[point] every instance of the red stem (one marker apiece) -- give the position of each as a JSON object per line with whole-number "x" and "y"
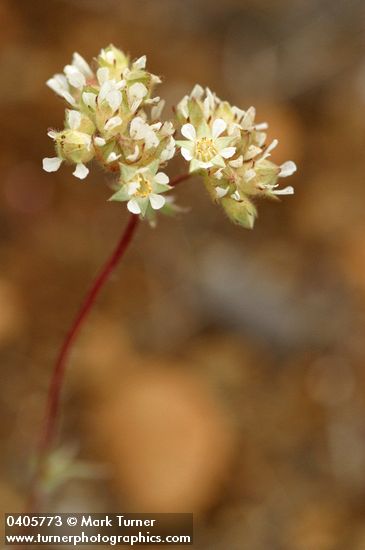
{"x": 179, "y": 179}
{"x": 55, "y": 387}
{"x": 56, "y": 384}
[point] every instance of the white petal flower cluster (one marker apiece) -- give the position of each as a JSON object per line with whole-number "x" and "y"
{"x": 113, "y": 117}
{"x": 226, "y": 146}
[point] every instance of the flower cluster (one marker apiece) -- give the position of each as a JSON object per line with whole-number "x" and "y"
{"x": 113, "y": 117}
{"x": 226, "y": 146}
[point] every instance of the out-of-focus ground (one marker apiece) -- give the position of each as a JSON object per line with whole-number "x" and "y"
{"x": 222, "y": 371}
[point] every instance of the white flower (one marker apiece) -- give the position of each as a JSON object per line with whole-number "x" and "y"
{"x": 142, "y": 188}
{"x": 205, "y": 148}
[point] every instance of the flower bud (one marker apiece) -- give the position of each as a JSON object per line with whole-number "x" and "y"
{"x": 74, "y": 146}
{"x": 241, "y": 212}
{"x": 114, "y": 59}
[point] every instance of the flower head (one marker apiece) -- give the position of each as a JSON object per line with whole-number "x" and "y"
{"x": 229, "y": 148}
{"x": 112, "y": 117}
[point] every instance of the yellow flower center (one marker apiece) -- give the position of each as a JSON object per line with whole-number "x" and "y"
{"x": 145, "y": 187}
{"x": 205, "y": 149}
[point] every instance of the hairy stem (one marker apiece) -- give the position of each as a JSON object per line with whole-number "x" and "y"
{"x": 56, "y": 383}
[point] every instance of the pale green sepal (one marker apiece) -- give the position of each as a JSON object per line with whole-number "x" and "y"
{"x": 194, "y": 166}
{"x": 242, "y": 213}
{"x": 127, "y": 172}
{"x": 121, "y": 195}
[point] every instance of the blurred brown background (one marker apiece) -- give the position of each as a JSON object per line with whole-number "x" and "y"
{"x": 222, "y": 371}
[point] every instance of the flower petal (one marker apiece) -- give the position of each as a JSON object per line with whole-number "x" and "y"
{"x": 133, "y": 156}
{"x": 237, "y": 163}
{"x": 287, "y": 169}
{"x": 51, "y": 164}
{"x": 74, "y": 119}
{"x": 156, "y": 111}
{"x": 157, "y": 201}
{"x": 79, "y": 62}
{"x": 133, "y": 186}
{"x": 228, "y": 152}
{"x": 252, "y": 152}
{"x": 186, "y": 154}
{"x": 103, "y": 75}
{"x": 272, "y": 146}
{"x": 105, "y": 89}
{"x": 219, "y": 125}
{"x": 114, "y": 98}
{"x": 151, "y": 139}
{"x": 221, "y": 192}
{"x": 137, "y": 91}
{"x": 133, "y": 206}
{"x": 140, "y": 63}
{"x": 197, "y": 92}
{"x": 112, "y": 123}
{"x": 286, "y": 191}
{"x": 89, "y": 99}
{"x": 162, "y": 178}
{"x": 99, "y": 141}
{"x": 74, "y": 76}
{"x": 113, "y": 157}
{"x": 189, "y": 132}
{"x": 81, "y": 171}
{"x": 58, "y": 84}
